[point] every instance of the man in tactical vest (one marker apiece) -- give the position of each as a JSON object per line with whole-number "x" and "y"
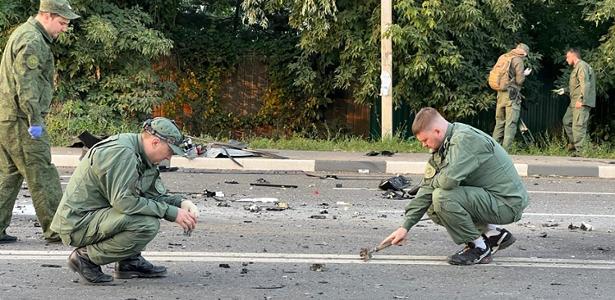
{"x": 508, "y": 107}
{"x": 26, "y": 88}
{"x": 113, "y": 202}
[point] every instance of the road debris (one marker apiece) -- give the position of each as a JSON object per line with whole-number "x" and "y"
{"x": 284, "y": 186}
{"x": 584, "y": 226}
{"x": 261, "y": 200}
{"x": 231, "y": 182}
{"x": 279, "y": 206}
{"x": 225, "y": 266}
{"x": 318, "y": 217}
{"x": 252, "y": 208}
{"x": 318, "y": 268}
{"x": 366, "y": 254}
{"x": 273, "y": 287}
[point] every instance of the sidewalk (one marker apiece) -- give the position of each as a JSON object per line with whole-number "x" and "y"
{"x": 400, "y": 163}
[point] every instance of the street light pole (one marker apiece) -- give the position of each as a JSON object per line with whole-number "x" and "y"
{"x": 386, "y": 75}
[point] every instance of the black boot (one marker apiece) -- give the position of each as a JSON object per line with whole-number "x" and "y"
{"x": 137, "y": 266}
{"x": 6, "y": 239}
{"x": 80, "y": 262}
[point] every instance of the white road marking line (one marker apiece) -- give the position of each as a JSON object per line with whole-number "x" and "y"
{"x": 530, "y": 262}
{"x": 571, "y": 193}
{"x": 569, "y": 215}
{"x": 526, "y": 214}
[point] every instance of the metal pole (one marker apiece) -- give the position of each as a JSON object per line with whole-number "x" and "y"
{"x": 386, "y": 75}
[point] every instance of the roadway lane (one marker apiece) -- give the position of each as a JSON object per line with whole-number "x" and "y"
{"x": 270, "y": 252}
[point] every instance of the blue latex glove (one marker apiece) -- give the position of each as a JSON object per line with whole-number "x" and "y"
{"x": 36, "y": 131}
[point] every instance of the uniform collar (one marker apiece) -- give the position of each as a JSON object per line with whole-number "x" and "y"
{"x": 447, "y": 138}
{"x": 41, "y": 29}
{"x": 142, "y": 152}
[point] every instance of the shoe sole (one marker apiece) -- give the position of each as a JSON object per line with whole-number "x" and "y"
{"x": 503, "y": 244}
{"x": 133, "y": 274}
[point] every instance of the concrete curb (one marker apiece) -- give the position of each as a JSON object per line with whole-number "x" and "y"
{"x": 354, "y": 166}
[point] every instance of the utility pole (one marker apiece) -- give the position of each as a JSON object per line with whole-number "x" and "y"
{"x": 386, "y": 74}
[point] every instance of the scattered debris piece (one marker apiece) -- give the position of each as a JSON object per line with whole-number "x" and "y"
{"x": 279, "y": 206}
{"x": 586, "y": 227}
{"x": 252, "y": 208}
{"x": 50, "y": 266}
{"x": 318, "y": 268}
{"x": 550, "y": 224}
{"x": 226, "y": 266}
{"x": 382, "y": 153}
{"x": 363, "y": 171}
{"x": 318, "y": 217}
{"x": 273, "y": 287}
{"x": 543, "y": 235}
{"x": 366, "y": 254}
{"x": 323, "y": 212}
{"x": 274, "y": 185}
{"x": 231, "y": 182}
{"x": 396, "y": 183}
{"x": 223, "y": 204}
{"x": 262, "y": 200}
{"x": 175, "y": 244}
{"x": 244, "y": 271}
{"x": 212, "y": 194}
{"x": 338, "y": 185}
{"x": 262, "y": 180}
{"x": 604, "y": 249}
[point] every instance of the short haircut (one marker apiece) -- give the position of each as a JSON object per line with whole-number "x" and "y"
{"x": 576, "y": 51}
{"x": 424, "y": 119}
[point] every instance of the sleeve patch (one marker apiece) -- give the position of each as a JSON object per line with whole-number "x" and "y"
{"x": 32, "y": 62}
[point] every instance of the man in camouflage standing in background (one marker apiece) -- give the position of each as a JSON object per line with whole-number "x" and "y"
{"x": 26, "y": 87}
{"x": 582, "y": 90}
{"x": 508, "y": 107}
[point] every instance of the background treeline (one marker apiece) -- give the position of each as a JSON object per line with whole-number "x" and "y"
{"x": 126, "y": 59}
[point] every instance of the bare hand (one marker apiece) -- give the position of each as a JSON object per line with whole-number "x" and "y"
{"x": 578, "y": 104}
{"x": 397, "y": 237}
{"x": 186, "y": 219}
{"x": 191, "y": 207}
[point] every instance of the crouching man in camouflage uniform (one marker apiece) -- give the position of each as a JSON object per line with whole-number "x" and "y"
{"x": 470, "y": 184}
{"x": 113, "y": 202}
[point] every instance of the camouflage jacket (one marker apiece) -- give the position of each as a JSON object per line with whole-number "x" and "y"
{"x": 468, "y": 157}
{"x": 114, "y": 173}
{"x": 582, "y": 85}
{"x": 26, "y": 74}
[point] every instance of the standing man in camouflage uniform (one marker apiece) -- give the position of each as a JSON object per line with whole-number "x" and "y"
{"x": 470, "y": 184}
{"x": 113, "y": 202}
{"x": 508, "y": 107}
{"x": 26, "y": 87}
{"x": 582, "y": 90}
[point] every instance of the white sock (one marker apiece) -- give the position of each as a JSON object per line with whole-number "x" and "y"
{"x": 492, "y": 230}
{"x": 480, "y": 243}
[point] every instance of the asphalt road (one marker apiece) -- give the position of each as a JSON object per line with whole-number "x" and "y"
{"x": 236, "y": 253}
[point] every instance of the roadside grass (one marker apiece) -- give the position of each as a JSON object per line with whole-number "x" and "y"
{"x": 546, "y": 146}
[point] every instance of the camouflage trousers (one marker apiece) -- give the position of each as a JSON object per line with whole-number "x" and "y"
{"x": 23, "y": 157}
{"x": 507, "y": 113}
{"x": 575, "y": 124}
{"x": 111, "y": 236}
{"x": 465, "y": 210}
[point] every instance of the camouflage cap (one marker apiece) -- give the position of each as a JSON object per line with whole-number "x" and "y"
{"x": 524, "y": 47}
{"x": 167, "y": 131}
{"x": 60, "y": 7}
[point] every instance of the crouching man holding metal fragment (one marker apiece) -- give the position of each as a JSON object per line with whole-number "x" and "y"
{"x": 470, "y": 184}
{"x": 112, "y": 205}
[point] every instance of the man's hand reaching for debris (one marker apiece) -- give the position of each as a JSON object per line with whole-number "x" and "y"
{"x": 397, "y": 237}
{"x": 186, "y": 219}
